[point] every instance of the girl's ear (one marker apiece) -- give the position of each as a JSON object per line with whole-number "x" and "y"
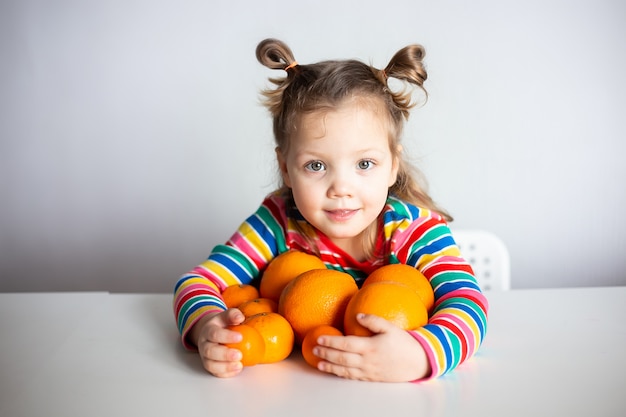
{"x": 395, "y": 165}
{"x": 282, "y": 165}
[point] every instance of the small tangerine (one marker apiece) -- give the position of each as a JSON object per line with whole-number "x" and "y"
{"x": 276, "y": 332}
{"x": 251, "y": 346}
{"x": 237, "y": 294}
{"x": 310, "y": 341}
{"x": 258, "y": 305}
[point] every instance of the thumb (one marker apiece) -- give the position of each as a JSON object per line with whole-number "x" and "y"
{"x": 234, "y": 316}
{"x": 374, "y": 323}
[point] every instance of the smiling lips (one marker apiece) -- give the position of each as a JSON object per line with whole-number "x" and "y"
{"x": 340, "y": 215}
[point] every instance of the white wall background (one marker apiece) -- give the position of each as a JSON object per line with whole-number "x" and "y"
{"x": 132, "y": 139}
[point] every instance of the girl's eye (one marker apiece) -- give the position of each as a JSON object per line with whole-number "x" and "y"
{"x": 365, "y": 164}
{"x": 315, "y": 166}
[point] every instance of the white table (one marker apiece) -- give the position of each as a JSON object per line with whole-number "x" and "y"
{"x": 547, "y": 353}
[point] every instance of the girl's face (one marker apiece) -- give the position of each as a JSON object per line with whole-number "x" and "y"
{"x": 340, "y": 167}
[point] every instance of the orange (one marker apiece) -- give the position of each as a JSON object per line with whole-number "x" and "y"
{"x": 316, "y": 297}
{"x": 258, "y": 305}
{"x": 252, "y": 345}
{"x": 283, "y": 269}
{"x": 398, "y": 303}
{"x": 237, "y": 294}
{"x": 277, "y": 334}
{"x": 310, "y": 341}
{"x": 407, "y": 275}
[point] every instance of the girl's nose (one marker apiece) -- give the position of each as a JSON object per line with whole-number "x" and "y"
{"x": 340, "y": 186}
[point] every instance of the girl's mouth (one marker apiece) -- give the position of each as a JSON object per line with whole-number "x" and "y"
{"x": 340, "y": 215}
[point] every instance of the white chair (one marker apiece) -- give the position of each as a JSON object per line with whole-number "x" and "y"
{"x": 488, "y": 256}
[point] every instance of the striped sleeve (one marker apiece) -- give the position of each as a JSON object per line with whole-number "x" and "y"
{"x": 458, "y": 323}
{"x": 257, "y": 241}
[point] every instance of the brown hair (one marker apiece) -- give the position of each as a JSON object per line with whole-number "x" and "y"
{"x": 326, "y": 84}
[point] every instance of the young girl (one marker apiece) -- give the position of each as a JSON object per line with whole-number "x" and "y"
{"x": 349, "y": 196}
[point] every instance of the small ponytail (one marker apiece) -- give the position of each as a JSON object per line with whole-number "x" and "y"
{"x": 407, "y": 65}
{"x": 275, "y": 54}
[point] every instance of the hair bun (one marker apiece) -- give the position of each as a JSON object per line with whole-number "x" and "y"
{"x": 274, "y": 54}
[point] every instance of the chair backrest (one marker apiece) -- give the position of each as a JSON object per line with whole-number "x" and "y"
{"x": 488, "y": 256}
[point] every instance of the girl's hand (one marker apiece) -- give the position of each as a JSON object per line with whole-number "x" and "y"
{"x": 209, "y": 335}
{"x": 390, "y": 355}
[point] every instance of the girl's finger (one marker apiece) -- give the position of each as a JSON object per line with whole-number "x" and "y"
{"x": 220, "y": 353}
{"x": 374, "y": 323}
{"x": 234, "y": 316}
{"x": 341, "y": 370}
{"x": 355, "y": 344}
{"x": 338, "y": 357}
{"x": 223, "y": 369}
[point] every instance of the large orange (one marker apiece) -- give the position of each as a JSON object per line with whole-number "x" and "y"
{"x": 252, "y": 345}
{"x": 258, "y": 305}
{"x": 408, "y": 275}
{"x": 316, "y": 297}
{"x": 277, "y": 334}
{"x": 283, "y": 269}
{"x": 310, "y": 341}
{"x": 398, "y": 303}
{"x": 237, "y": 294}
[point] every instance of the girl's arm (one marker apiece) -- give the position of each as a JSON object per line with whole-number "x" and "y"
{"x": 455, "y": 329}
{"x": 458, "y": 323}
{"x": 257, "y": 241}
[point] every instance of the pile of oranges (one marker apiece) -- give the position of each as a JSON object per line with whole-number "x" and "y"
{"x": 299, "y": 300}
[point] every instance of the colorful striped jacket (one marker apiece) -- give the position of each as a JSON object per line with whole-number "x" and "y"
{"x": 409, "y": 235}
